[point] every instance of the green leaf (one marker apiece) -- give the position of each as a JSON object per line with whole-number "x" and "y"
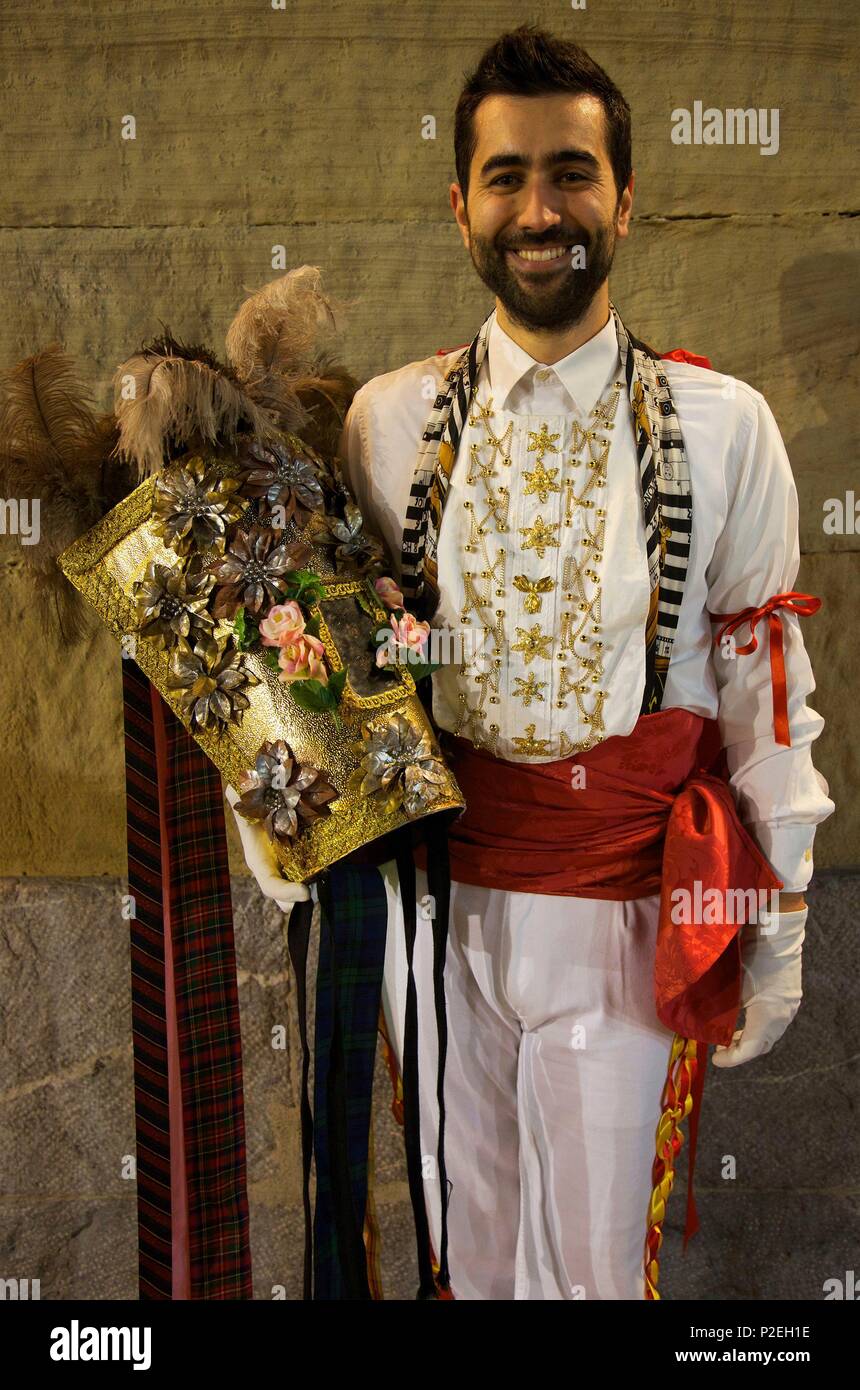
{"x": 305, "y": 586}
{"x": 270, "y": 656}
{"x": 336, "y": 682}
{"x": 419, "y": 669}
{"x": 365, "y": 603}
{"x": 312, "y": 625}
{"x": 312, "y": 695}
{"x": 246, "y": 630}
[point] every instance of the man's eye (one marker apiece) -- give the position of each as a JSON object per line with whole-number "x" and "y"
{"x": 568, "y": 174}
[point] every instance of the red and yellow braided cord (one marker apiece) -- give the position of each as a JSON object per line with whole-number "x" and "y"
{"x": 676, "y": 1102}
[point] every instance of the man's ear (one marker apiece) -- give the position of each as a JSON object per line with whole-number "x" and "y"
{"x": 458, "y": 204}
{"x": 625, "y": 208}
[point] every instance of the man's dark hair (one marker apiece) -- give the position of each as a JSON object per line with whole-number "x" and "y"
{"x": 529, "y": 61}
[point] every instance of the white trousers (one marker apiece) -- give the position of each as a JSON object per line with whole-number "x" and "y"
{"x": 555, "y": 1066}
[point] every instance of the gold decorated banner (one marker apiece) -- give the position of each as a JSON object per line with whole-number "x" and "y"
{"x": 372, "y": 797}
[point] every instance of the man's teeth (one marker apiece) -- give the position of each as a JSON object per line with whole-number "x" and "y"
{"x": 552, "y": 254}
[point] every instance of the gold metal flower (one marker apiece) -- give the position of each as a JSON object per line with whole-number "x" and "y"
{"x": 351, "y": 543}
{"x": 193, "y": 507}
{"x": 280, "y": 477}
{"x": 172, "y": 602}
{"x": 212, "y": 680}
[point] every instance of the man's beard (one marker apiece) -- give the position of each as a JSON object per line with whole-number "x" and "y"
{"x": 564, "y": 299}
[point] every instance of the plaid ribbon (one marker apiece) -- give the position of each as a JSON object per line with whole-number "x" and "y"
{"x": 353, "y": 922}
{"x": 191, "y": 1164}
{"x": 664, "y": 478}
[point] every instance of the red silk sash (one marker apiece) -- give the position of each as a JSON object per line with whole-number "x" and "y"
{"x": 650, "y": 818}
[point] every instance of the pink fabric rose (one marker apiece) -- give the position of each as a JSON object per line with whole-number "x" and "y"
{"x": 409, "y": 639}
{"x": 282, "y": 624}
{"x": 389, "y": 592}
{"x": 301, "y": 659}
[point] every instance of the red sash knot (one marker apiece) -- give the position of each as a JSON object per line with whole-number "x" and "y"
{"x": 804, "y": 605}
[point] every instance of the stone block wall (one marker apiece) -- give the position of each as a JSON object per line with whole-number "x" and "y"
{"x": 297, "y": 131}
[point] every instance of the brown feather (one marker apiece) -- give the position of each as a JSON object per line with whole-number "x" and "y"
{"x": 55, "y": 448}
{"x": 279, "y": 344}
{"x": 165, "y": 399}
{"x": 327, "y": 398}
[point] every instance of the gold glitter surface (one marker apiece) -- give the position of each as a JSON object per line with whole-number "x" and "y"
{"x": 106, "y": 562}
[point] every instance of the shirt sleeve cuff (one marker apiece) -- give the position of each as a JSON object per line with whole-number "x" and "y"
{"x": 788, "y": 849}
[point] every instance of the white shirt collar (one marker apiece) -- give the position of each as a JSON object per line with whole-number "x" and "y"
{"x": 584, "y": 373}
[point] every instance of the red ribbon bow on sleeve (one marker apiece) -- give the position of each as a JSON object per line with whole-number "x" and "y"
{"x": 804, "y": 605}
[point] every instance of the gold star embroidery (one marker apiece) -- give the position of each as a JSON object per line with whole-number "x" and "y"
{"x": 531, "y": 746}
{"x": 532, "y": 642}
{"x": 529, "y": 689}
{"x": 542, "y": 481}
{"x": 539, "y": 536}
{"x": 543, "y": 441}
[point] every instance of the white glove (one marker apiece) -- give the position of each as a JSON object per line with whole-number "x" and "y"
{"x": 771, "y": 988}
{"x": 262, "y": 861}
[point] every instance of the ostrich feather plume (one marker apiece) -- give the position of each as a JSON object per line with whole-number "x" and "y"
{"x": 54, "y": 447}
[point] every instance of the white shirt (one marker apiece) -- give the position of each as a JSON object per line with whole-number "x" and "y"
{"x": 744, "y": 549}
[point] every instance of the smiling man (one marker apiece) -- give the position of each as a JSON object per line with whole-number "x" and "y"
{"x": 588, "y": 517}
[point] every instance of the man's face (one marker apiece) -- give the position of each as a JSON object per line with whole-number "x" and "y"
{"x": 541, "y": 180}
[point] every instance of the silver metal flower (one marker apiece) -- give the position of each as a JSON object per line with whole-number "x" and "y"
{"x": 212, "y": 680}
{"x": 193, "y": 507}
{"x": 281, "y": 793}
{"x": 399, "y": 764}
{"x": 172, "y": 602}
{"x": 350, "y": 540}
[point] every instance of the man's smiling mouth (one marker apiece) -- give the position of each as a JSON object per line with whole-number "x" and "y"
{"x": 537, "y": 261}
{"x": 542, "y": 253}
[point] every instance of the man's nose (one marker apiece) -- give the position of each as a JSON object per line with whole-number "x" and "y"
{"x": 540, "y": 207}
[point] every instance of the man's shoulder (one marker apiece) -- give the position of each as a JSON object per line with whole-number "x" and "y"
{"x": 722, "y": 405}
{"x": 406, "y": 392}
{"x": 693, "y": 379}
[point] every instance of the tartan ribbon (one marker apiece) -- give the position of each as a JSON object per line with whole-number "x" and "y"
{"x": 803, "y": 605}
{"x": 191, "y": 1159}
{"x": 353, "y": 922}
{"x": 148, "y": 1006}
